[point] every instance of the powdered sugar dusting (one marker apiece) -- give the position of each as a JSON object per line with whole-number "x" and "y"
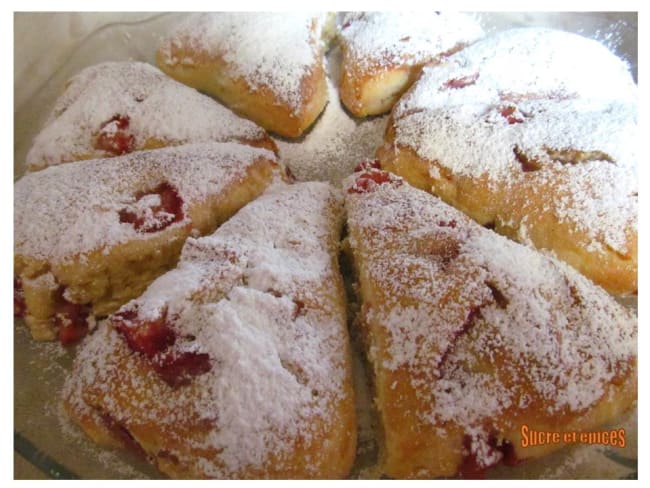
{"x": 395, "y": 38}
{"x": 158, "y": 108}
{"x": 331, "y": 149}
{"x": 67, "y": 210}
{"x": 272, "y": 49}
{"x": 527, "y": 95}
{"x": 276, "y": 370}
{"x": 457, "y": 298}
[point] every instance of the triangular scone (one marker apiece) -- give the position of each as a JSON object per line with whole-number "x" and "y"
{"x": 267, "y": 66}
{"x": 474, "y": 338}
{"x": 236, "y": 364}
{"x": 532, "y": 132}
{"x": 383, "y": 53}
{"x": 90, "y": 236}
{"x": 116, "y": 108}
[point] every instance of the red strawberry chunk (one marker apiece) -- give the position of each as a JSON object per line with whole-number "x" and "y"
{"x": 72, "y": 321}
{"x": 114, "y": 136}
{"x": 371, "y": 179}
{"x": 149, "y": 214}
{"x": 146, "y": 337}
{"x": 509, "y": 114}
{"x": 178, "y": 368}
{"x": 457, "y": 83}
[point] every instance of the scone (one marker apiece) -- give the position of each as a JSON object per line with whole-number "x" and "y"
{"x": 383, "y": 53}
{"x": 266, "y": 66}
{"x": 532, "y": 132}
{"x": 236, "y": 364}
{"x": 114, "y": 108}
{"x": 90, "y": 236}
{"x": 473, "y": 338}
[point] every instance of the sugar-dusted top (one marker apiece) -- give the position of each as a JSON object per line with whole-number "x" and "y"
{"x": 257, "y": 296}
{"x": 66, "y": 211}
{"x": 393, "y": 38}
{"x": 523, "y": 63}
{"x": 157, "y": 108}
{"x": 272, "y": 49}
{"x": 456, "y": 300}
{"x": 557, "y": 100}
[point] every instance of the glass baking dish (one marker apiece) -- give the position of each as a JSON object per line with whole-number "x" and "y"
{"x": 47, "y": 439}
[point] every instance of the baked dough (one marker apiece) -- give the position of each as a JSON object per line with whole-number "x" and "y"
{"x": 383, "y": 53}
{"x": 90, "y": 236}
{"x": 471, "y": 336}
{"x": 236, "y": 364}
{"x": 114, "y": 108}
{"x": 534, "y": 133}
{"x": 266, "y": 66}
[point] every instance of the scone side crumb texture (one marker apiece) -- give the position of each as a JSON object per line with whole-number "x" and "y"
{"x": 456, "y": 300}
{"x": 66, "y": 211}
{"x": 160, "y": 111}
{"x": 534, "y": 95}
{"x": 261, "y": 296}
{"x": 375, "y": 40}
{"x": 272, "y": 49}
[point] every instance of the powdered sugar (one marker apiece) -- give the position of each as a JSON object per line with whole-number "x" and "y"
{"x": 529, "y": 95}
{"x": 159, "y": 110}
{"x": 68, "y": 210}
{"x": 268, "y": 49}
{"x": 393, "y": 38}
{"x": 334, "y": 146}
{"x": 276, "y": 371}
{"x": 457, "y": 298}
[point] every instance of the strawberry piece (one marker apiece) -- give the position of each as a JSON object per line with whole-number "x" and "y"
{"x": 367, "y": 164}
{"x": 20, "y": 307}
{"x": 371, "y": 179}
{"x": 157, "y": 216}
{"x": 146, "y": 337}
{"x": 178, "y": 368}
{"x": 114, "y": 136}
{"x": 457, "y": 83}
{"x": 509, "y": 114}
{"x": 72, "y": 321}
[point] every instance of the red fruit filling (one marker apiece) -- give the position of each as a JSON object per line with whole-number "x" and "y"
{"x": 71, "y": 319}
{"x": 367, "y": 164}
{"x": 456, "y": 83}
{"x": 509, "y": 114}
{"x": 178, "y": 368}
{"x": 154, "y": 210}
{"x": 371, "y": 179}
{"x": 146, "y": 337}
{"x": 153, "y": 339}
{"x": 471, "y": 468}
{"x": 114, "y": 136}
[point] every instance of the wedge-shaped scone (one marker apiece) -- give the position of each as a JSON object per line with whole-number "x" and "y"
{"x": 383, "y": 53}
{"x": 90, "y": 236}
{"x": 266, "y": 66}
{"x": 236, "y": 364}
{"x": 473, "y": 337}
{"x": 532, "y": 132}
{"x": 115, "y": 108}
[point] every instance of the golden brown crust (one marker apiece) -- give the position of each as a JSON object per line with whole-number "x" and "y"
{"x": 189, "y": 59}
{"x": 518, "y": 207}
{"x": 262, "y": 106}
{"x": 277, "y": 399}
{"x": 105, "y": 278}
{"x": 116, "y": 108}
{"x": 462, "y": 329}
